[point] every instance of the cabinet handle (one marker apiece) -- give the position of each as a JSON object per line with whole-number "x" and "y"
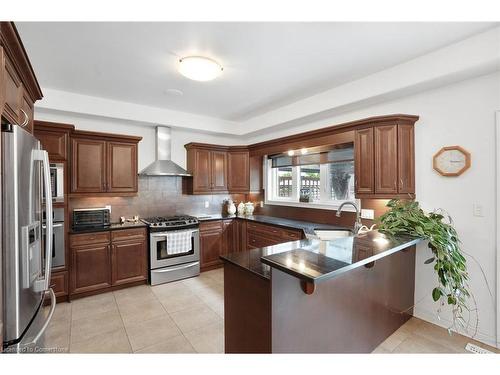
{"x": 401, "y": 183}
{"x": 26, "y": 119}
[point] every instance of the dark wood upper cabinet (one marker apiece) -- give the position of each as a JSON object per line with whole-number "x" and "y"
{"x": 19, "y": 88}
{"x": 219, "y": 170}
{"x": 54, "y": 138}
{"x": 238, "y": 165}
{"x": 103, "y": 163}
{"x": 122, "y": 167}
{"x": 88, "y": 168}
{"x": 386, "y": 159}
{"x": 202, "y": 178}
{"x": 364, "y": 173}
{"x": 406, "y": 159}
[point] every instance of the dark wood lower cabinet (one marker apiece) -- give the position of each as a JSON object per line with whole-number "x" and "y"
{"x": 90, "y": 268}
{"x": 210, "y": 244}
{"x": 60, "y": 284}
{"x": 129, "y": 262}
{"x": 101, "y": 260}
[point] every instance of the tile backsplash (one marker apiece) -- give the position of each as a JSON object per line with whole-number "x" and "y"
{"x": 157, "y": 196}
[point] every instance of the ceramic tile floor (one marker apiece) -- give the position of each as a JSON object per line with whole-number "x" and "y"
{"x": 187, "y": 317}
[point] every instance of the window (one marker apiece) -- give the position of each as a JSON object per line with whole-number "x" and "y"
{"x": 315, "y": 180}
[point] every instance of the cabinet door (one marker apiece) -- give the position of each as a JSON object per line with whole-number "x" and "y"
{"x": 238, "y": 171}
{"x": 12, "y": 92}
{"x": 219, "y": 170}
{"x": 363, "y": 161}
{"x": 54, "y": 143}
{"x": 211, "y": 248}
{"x": 386, "y": 159}
{"x": 88, "y": 169}
{"x": 128, "y": 262}
{"x": 201, "y": 171}
{"x": 59, "y": 283}
{"x": 121, "y": 167}
{"x": 230, "y": 238}
{"x": 90, "y": 268}
{"x": 406, "y": 159}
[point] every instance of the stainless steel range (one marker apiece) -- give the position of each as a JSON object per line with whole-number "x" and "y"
{"x": 174, "y": 244}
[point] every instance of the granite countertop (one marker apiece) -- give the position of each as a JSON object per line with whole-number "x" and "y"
{"x": 306, "y": 226}
{"x": 315, "y": 260}
{"x": 113, "y": 226}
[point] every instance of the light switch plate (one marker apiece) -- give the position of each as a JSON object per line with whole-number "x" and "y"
{"x": 367, "y": 214}
{"x": 477, "y": 210}
{"x": 207, "y": 204}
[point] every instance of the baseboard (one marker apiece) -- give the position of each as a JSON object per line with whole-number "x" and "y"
{"x": 445, "y": 323}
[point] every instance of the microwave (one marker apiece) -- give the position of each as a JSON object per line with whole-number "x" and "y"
{"x": 57, "y": 181}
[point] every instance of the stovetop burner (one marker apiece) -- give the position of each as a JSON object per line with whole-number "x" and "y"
{"x": 170, "y": 222}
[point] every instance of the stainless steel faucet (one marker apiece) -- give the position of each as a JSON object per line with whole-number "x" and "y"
{"x": 357, "y": 224}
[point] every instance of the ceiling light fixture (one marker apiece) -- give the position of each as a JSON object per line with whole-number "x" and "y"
{"x": 199, "y": 68}
{"x": 303, "y": 151}
{"x": 291, "y": 153}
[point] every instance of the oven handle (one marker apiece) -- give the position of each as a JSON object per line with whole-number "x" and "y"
{"x": 164, "y": 234}
{"x": 177, "y": 268}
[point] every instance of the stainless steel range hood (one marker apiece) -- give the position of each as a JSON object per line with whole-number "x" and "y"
{"x": 163, "y": 166}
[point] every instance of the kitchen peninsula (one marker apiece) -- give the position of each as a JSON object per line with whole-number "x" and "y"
{"x": 311, "y": 296}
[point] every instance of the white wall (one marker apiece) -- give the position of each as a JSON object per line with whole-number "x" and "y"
{"x": 459, "y": 114}
{"x": 147, "y": 146}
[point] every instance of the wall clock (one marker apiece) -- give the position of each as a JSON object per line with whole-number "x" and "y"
{"x": 451, "y": 161}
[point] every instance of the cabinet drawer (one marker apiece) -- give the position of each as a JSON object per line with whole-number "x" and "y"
{"x": 128, "y": 234}
{"x": 291, "y": 235}
{"x": 211, "y": 226}
{"x": 59, "y": 283}
{"x": 256, "y": 240}
{"x": 265, "y": 229}
{"x": 89, "y": 238}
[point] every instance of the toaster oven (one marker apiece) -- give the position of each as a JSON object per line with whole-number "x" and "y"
{"x": 84, "y": 218}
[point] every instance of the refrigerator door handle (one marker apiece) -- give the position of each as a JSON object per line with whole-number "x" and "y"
{"x": 49, "y": 316}
{"x": 43, "y": 283}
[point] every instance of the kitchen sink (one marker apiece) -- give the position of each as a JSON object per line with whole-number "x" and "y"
{"x": 331, "y": 234}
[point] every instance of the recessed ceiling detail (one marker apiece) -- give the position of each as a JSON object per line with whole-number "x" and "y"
{"x": 271, "y": 64}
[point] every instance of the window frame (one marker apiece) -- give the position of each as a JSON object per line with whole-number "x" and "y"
{"x": 271, "y": 184}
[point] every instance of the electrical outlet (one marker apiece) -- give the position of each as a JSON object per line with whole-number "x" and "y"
{"x": 367, "y": 214}
{"x": 261, "y": 204}
{"x": 207, "y": 204}
{"x": 477, "y": 210}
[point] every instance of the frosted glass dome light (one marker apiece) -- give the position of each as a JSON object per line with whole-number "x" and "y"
{"x": 199, "y": 68}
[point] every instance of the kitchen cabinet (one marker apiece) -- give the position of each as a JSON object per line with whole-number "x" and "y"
{"x": 19, "y": 87}
{"x": 107, "y": 260}
{"x": 103, "y": 164}
{"x": 54, "y": 138}
{"x": 238, "y": 171}
{"x": 385, "y": 160}
{"x": 122, "y": 167}
{"x": 363, "y": 161}
{"x": 230, "y": 236}
{"x": 59, "y": 283}
{"x": 261, "y": 235}
{"x": 218, "y": 169}
{"x": 88, "y": 168}
{"x": 211, "y": 244}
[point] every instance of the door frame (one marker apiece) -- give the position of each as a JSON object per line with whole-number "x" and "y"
{"x": 497, "y": 222}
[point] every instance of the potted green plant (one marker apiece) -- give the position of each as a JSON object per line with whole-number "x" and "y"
{"x": 406, "y": 217}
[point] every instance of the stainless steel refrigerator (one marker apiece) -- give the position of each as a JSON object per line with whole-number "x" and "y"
{"x": 26, "y": 268}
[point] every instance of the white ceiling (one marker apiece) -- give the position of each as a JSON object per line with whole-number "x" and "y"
{"x": 266, "y": 65}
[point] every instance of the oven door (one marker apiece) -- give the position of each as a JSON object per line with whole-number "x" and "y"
{"x": 161, "y": 258}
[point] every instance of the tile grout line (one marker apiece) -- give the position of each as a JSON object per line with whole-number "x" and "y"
{"x": 179, "y": 328}
{"x": 123, "y": 322}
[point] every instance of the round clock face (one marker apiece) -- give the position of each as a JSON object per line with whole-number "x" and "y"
{"x": 451, "y": 161}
